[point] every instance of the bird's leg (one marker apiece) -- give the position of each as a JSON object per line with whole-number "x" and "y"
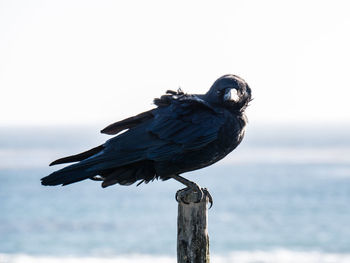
{"x": 191, "y": 187}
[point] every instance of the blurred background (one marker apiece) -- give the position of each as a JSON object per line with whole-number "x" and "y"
{"x": 70, "y": 68}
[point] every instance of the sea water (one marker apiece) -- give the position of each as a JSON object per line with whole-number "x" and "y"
{"x": 281, "y": 196}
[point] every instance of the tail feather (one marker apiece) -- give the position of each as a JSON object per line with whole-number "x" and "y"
{"x": 70, "y": 174}
{"x": 75, "y": 172}
{"x": 123, "y": 175}
{"x": 63, "y": 177}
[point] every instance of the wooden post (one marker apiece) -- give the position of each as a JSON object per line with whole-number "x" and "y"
{"x": 192, "y": 229}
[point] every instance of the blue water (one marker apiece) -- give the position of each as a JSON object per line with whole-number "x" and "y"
{"x": 281, "y": 191}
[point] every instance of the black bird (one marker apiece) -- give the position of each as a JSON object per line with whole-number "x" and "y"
{"x": 183, "y": 133}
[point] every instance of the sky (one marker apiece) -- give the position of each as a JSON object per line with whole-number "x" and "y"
{"x": 86, "y": 62}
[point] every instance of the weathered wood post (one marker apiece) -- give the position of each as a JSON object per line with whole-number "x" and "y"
{"x": 192, "y": 229}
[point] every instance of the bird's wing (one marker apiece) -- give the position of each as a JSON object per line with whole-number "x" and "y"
{"x": 182, "y": 126}
{"x": 78, "y": 157}
{"x": 189, "y": 123}
{"x": 128, "y": 123}
{"x": 111, "y": 129}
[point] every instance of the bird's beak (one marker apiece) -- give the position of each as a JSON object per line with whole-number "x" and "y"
{"x": 231, "y": 95}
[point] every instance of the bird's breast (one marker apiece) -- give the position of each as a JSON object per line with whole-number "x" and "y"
{"x": 229, "y": 137}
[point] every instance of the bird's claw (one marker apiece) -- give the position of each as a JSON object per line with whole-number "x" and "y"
{"x": 179, "y": 196}
{"x": 207, "y": 194}
{"x": 182, "y": 195}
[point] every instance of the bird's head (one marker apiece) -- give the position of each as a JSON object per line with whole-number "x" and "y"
{"x": 230, "y": 91}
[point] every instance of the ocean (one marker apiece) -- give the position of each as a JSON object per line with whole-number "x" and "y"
{"x": 282, "y": 196}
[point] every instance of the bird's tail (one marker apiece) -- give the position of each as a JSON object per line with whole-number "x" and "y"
{"x": 142, "y": 171}
{"x": 64, "y": 177}
{"x": 90, "y": 164}
{"x": 75, "y": 172}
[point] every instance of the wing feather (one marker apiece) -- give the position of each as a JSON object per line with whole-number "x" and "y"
{"x": 128, "y": 123}
{"x": 187, "y": 124}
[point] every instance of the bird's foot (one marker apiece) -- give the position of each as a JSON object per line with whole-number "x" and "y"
{"x": 190, "y": 194}
{"x": 193, "y": 194}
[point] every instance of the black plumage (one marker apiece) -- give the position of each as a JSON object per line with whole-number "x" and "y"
{"x": 183, "y": 133}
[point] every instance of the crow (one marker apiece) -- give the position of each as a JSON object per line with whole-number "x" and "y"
{"x": 183, "y": 133}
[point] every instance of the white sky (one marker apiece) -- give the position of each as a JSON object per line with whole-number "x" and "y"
{"x": 64, "y": 62}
